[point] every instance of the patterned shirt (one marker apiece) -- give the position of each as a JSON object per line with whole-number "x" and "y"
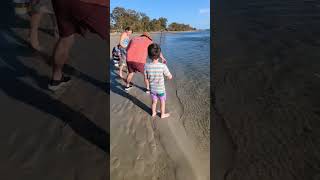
{"x": 154, "y": 73}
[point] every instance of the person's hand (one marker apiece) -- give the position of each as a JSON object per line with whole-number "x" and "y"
{"x": 164, "y": 61}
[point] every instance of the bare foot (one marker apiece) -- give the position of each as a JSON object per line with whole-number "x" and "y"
{"x": 165, "y": 115}
{"x": 154, "y": 114}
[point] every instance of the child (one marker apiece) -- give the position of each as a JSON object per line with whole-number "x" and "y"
{"x": 154, "y": 73}
{"x": 116, "y": 55}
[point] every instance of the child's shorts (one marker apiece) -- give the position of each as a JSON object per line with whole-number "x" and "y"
{"x": 161, "y": 96}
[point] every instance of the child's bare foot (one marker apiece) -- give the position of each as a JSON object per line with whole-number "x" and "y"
{"x": 154, "y": 114}
{"x": 165, "y": 115}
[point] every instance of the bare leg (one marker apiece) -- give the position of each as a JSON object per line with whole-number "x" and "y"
{"x": 154, "y": 107}
{"x": 61, "y": 55}
{"x": 129, "y": 78}
{"x": 34, "y": 25}
{"x": 163, "y": 109}
{"x": 120, "y": 70}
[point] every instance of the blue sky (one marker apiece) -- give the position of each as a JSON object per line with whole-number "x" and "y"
{"x": 193, "y": 12}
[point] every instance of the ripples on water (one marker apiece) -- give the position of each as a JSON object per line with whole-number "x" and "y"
{"x": 278, "y": 58}
{"x": 188, "y": 56}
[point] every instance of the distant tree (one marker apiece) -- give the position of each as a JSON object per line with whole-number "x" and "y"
{"x": 145, "y": 21}
{"x": 180, "y": 27}
{"x": 122, "y": 18}
{"x": 163, "y": 22}
{"x": 117, "y": 18}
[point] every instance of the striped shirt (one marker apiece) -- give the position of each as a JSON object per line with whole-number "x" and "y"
{"x": 154, "y": 73}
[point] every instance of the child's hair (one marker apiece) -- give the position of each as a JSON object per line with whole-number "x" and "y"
{"x": 154, "y": 51}
{"x": 127, "y": 29}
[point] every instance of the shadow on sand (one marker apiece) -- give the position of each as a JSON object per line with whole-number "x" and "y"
{"x": 117, "y": 88}
{"x": 12, "y": 70}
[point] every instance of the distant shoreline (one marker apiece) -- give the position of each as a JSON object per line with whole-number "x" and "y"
{"x": 157, "y": 32}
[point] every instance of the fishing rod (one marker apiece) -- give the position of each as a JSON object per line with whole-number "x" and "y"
{"x": 160, "y": 45}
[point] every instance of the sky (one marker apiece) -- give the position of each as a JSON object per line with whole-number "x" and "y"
{"x": 196, "y": 13}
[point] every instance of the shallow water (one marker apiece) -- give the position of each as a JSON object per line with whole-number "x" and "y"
{"x": 265, "y": 82}
{"x": 188, "y": 56}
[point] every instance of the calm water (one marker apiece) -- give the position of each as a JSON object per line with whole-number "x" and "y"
{"x": 269, "y": 49}
{"x": 188, "y": 56}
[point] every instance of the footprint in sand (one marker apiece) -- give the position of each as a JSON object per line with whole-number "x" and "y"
{"x": 115, "y": 162}
{"x": 153, "y": 146}
{"x": 129, "y": 126}
{"x": 140, "y": 144}
{"x": 139, "y": 165}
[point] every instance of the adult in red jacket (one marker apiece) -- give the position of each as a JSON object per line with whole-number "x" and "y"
{"x": 137, "y": 52}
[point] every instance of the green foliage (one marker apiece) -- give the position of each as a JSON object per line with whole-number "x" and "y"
{"x": 180, "y": 27}
{"x": 139, "y": 22}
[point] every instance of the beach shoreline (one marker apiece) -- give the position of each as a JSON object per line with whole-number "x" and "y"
{"x": 172, "y": 146}
{"x": 157, "y": 32}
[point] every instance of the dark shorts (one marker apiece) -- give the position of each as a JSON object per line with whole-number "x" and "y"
{"x": 74, "y": 16}
{"x": 135, "y": 67}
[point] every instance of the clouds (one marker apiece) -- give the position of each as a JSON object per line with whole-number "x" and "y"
{"x": 204, "y": 11}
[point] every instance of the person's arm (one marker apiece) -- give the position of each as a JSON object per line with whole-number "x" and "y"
{"x": 164, "y": 61}
{"x": 166, "y": 72}
{"x": 121, "y": 40}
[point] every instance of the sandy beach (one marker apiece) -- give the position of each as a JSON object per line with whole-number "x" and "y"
{"x": 46, "y": 135}
{"x": 165, "y": 149}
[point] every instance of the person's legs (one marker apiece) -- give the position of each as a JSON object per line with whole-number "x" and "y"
{"x": 122, "y": 61}
{"x": 61, "y": 55}
{"x": 131, "y": 71}
{"x": 154, "y": 106}
{"x": 34, "y": 25}
{"x": 129, "y": 78}
{"x": 163, "y": 107}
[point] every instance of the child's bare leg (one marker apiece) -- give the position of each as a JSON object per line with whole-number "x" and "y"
{"x": 154, "y": 107}
{"x": 163, "y": 109}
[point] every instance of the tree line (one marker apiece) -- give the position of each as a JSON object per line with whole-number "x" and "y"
{"x": 139, "y": 22}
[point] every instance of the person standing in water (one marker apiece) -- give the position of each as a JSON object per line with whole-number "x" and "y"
{"x": 154, "y": 73}
{"x": 123, "y": 42}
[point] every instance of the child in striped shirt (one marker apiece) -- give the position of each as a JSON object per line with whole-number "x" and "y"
{"x": 154, "y": 73}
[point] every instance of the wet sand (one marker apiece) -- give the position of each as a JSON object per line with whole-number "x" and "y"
{"x": 47, "y": 135}
{"x": 145, "y": 149}
{"x": 266, "y": 88}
